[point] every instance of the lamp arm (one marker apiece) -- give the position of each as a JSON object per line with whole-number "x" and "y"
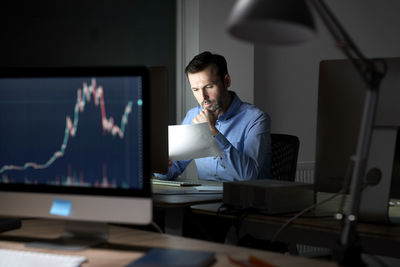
{"x": 366, "y": 67}
{"x": 372, "y": 77}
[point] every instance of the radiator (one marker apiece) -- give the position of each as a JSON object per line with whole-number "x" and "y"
{"x": 305, "y": 172}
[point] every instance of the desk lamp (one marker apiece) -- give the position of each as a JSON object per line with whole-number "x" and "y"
{"x": 291, "y": 22}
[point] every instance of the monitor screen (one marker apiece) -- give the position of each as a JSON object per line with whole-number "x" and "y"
{"x": 341, "y": 95}
{"x": 74, "y": 144}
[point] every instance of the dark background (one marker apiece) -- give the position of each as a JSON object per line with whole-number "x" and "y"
{"x": 90, "y": 33}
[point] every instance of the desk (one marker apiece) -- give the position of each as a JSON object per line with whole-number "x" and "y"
{"x": 126, "y": 245}
{"x": 174, "y": 200}
{"x": 314, "y": 231}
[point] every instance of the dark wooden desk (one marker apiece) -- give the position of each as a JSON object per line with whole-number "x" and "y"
{"x": 314, "y": 231}
{"x": 126, "y": 245}
{"x": 174, "y": 200}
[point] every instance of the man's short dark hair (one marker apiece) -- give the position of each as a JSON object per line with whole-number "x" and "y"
{"x": 205, "y": 59}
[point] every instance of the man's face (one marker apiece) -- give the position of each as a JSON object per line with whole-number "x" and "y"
{"x": 208, "y": 89}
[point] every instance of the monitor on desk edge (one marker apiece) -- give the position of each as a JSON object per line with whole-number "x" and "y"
{"x": 75, "y": 144}
{"x": 341, "y": 94}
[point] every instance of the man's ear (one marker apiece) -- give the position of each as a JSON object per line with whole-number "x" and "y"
{"x": 227, "y": 81}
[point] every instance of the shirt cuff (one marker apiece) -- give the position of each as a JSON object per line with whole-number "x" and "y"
{"x": 161, "y": 176}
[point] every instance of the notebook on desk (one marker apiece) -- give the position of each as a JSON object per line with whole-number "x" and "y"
{"x": 186, "y": 187}
{"x": 175, "y": 258}
{"x": 156, "y": 181}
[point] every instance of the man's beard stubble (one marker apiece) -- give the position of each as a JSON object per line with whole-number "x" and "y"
{"x": 216, "y": 104}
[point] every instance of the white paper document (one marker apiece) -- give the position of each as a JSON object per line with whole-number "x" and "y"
{"x": 191, "y": 141}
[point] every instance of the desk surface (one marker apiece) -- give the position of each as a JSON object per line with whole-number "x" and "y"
{"x": 315, "y": 231}
{"x": 126, "y": 245}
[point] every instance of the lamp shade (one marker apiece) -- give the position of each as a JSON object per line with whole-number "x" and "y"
{"x": 272, "y": 21}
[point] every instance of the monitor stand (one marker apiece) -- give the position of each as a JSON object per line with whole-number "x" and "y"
{"x": 77, "y": 235}
{"x": 374, "y": 203}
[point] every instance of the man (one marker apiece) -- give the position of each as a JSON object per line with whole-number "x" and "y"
{"x": 241, "y": 130}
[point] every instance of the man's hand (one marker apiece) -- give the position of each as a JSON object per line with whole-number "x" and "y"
{"x": 207, "y": 116}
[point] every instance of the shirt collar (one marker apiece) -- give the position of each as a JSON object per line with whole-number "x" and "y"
{"x": 233, "y": 108}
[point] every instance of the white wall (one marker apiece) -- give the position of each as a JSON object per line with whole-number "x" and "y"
{"x": 286, "y": 78}
{"x": 187, "y": 45}
{"x": 239, "y": 55}
{"x": 202, "y": 26}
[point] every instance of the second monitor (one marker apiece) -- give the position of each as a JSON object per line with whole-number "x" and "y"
{"x": 341, "y": 96}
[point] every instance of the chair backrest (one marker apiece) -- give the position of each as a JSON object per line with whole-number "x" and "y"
{"x": 284, "y": 149}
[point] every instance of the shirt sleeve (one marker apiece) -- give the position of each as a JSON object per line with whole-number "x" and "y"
{"x": 246, "y": 165}
{"x": 177, "y": 168}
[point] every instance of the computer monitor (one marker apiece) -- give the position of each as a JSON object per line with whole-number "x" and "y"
{"x": 341, "y": 95}
{"x": 74, "y": 145}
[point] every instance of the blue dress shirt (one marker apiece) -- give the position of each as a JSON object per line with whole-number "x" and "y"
{"x": 245, "y": 141}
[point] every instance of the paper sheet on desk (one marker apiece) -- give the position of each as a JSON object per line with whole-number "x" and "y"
{"x": 191, "y": 141}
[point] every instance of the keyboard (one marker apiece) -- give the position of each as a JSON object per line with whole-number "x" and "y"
{"x": 18, "y": 258}
{"x": 174, "y": 183}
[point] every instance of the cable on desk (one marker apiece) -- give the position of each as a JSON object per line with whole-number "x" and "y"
{"x": 305, "y": 211}
{"x": 158, "y": 228}
{"x": 239, "y": 222}
{"x": 344, "y": 190}
{"x": 240, "y": 215}
{"x": 203, "y": 231}
{"x": 223, "y": 205}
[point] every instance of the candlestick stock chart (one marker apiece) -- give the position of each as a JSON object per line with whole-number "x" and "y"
{"x": 79, "y": 131}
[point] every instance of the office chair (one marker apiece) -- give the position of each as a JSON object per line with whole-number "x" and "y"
{"x": 284, "y": 149}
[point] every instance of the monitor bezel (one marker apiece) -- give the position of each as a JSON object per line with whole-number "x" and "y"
{"x": 112, "y": 71}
